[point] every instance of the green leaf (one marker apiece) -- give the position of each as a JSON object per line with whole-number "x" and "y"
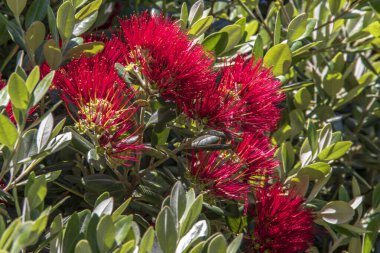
{"x": 257, "y": 50}
{"x": 8, "y": 132}
{"x": 235, "y": 244}
{"x": 336, "y": 6}
{"x": 242, "y": 22}
{"x": 36, "y": 12}
{"x": 178, "y": 200}
{"x": 376, "y": 196}
{"x": 102, "y": 197}
{"x": 357, "y": 90}
{"x": 297, "y": 27}
{"x": 33, "y": 79}
{"x": 105, "y": 233}
{"x": 277, "y": 29}
{"x": 42, "y": 87}
{"x": 78, "y": 3}
{"x": 184, "y": 13}
{"x": 198, "y": 230}
{"x": 56, "y": 233}
{"x": 59, "y": 142}
{"x": 66, "y": 20}
{"x": 121, "y": 209}
{"x": 18, "y": 92}
{"x": 122, "y": 226}
{"x": 332, "y": 84}
{"x": 325, "y": 137}
{"x": 338, "y": 62}
{"x": 198, "y": 248}
{"x": 16, "y": 6}
{"x": 305, "y": 49}
{"x": 35, "y": 190}
{"x": 287, "y": 156}
{"x": 199, "y": 27}
{"x": 85, "y": 24}
{"x": 166, "y": 230}
{"x": 191, "y": 215}
{"x": 251, "y": 28}
{"x": 147, "y": 240}
{"x": 44, "y": 131}
{"x": 217, "y": 245}
{"x": 355, "y": 245}
{"x": 335, "y": 151}
{"x": 160, "y": 137}
{"x": 53, "y": 54}
{"x": 83, "y": 246}
{"x": 71, "y": 233}
{"x": 9, "y": 233}
{"x": 35, "y": 36}
{"x": 87, "y": 49}
{"x": 370, "y": 236}
{"x": 105, "y": 207}
{"x": 302, "y": 98}
{"x": 337, "y": 212}
{"x": 88, "y": 10}
{"x": 235, "y": 33}
{"x": 376, "y": 5}
{"x": 4, "y": 96}
{"x": 196, "y": 11}
{"x": 52, "y": 24}
{"x": 279, "y": 58}
{"x": 16, "y": 33}
{"x": 297, "y": 121}
{"x": 216, "y": 42}
{"x": 305, "y": 152}
{"x": 315, "y": 171}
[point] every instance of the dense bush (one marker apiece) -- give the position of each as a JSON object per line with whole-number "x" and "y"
{"x": 189, "y": 126}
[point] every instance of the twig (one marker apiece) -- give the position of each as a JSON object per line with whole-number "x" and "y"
{"x": 256, "y": 16}
{"x": 354, "y": 4}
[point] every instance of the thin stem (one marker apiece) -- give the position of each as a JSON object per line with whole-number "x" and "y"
{"x": 31, "y": 166}
{"x": 257, "y": 16}
{"x": 365, "y": 112}
{"x": 344, "y": 12}
{"x": 6, "y": 163}
{"x": 159, "y": 162}
{"x": 17, "y": 205}
{"x": 9, "y": 57}
{"x": 69, "y": 189}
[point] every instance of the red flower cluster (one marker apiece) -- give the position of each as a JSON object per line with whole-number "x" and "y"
{"x": 282, "y": 224}
{"x": 233, "y": 174}
{"x": 101, "y": 103}
{"x": 174, "y": 65}
{"x": 240, "y": 99}
{"x": 245, "y": 98}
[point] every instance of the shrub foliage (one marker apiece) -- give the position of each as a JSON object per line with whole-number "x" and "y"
{"x": 189, "y": 126}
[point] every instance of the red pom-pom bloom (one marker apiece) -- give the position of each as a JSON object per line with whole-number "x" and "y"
{"x": 245, "y": 98}
{"x": 169, "y": 61}
{"x": 101, "y": 103}
{"x": 282, "y": 223}
{"x": 232, "y": 174}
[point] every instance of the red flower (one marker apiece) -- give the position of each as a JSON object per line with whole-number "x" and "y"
{"x": 220, "y": 174}
{"x": 257, "y": 87}
{"x": 232, "y": 174}
{"x": 256, "y": 152}
{"x": 282, "y": 223}
{"x": 245, "y": 98}
{"x": 172, "y": 63}
{"x": 102, "y": 103}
